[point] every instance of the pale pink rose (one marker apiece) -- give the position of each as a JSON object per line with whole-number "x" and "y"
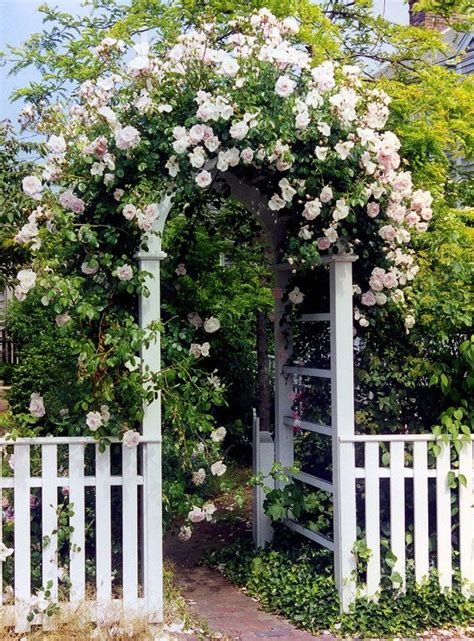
{"x": 247, "y": 155}
{"x": 195, "y": 320}
{"x": 421, "y": 227}
{"x": 239, "y": 130}
{"x": 324, "y": 243}
{"x": 312, "y": 209}
{"x": 131, "y": 438}
{"x": 185, "y": 533}
{"x": 196, "y": 515}
{"x": 69, "y": 201}
{"x": 32, "y": 187}
{"x": 296, "y": 296}
{"x": 94, "y": 421}
{"x": 204, "y": 179}
{"x": 373, "y": 209}
{"x": 326, "y": 194}
{"x": 199, "y": 477}
{"x": 127, "y": 137}
{"x": 196, "y": 134}
{"x": 218, "y": 468}
{"x": 218, "y": 435}
{"x": 285, "y": 86}
{"x": 56, "y": 144}
{"x": 118, "y": 193}
{"x": 129, "y": 211}
{"x": 125, "y": 272}
{"x": 368, "y": 299}
{"x": 36, "y": 407}
{"x": 387, "y": 232}
{"x": 390, "y": 280}
{"x": 212, "y": 325}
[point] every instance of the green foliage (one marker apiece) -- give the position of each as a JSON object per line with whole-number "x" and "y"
{"x": 294, "y": 579}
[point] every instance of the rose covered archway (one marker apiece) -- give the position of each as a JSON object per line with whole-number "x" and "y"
{"x": 243, "y": 105}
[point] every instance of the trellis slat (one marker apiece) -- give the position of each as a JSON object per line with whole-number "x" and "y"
{"x": 22, "y": 537}
{"x": 130, "y": 527}
{"x": 443, "y": 517}
{"x": 77, "y": 522}
{"x": 397, "y": 508}
{"x": 420, "y": 490}
{"x": 103, "y": 531}
{"x": 466, "y": 517}
{"x": 49, "y": 506}
{"x": 372, "y": 517}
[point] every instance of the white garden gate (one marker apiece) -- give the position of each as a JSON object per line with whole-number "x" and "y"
{"x": 138, "y": 475}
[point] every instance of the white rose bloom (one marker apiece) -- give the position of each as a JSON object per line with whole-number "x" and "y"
{"x": 341, "y": 211}
{"x": 26, "y": 278}
{"x": 321, "y": 153}
{"x": 229, "y": 66}
{"x": 211, "y": 325}
{"x": 127, "y": 137}
{"x": 209, "y": 509}
{"x": 195, "y": 350}
{"x": 203, "y": 179}
{"x": 287, "y": 190}
{"x": 247, "y": 155}
{"x": 172, "y": 166}
{"x": 239, "y": 130}
{"x": 109, "y": 115}
{"x": 291, "y": 25}
{"x": 105, "y": 413}
{"x": 205, "y": 349}
{"x": 409, "y": 321}
{"x": 32, "y": 187}
{"x": 199, "y": 477}
{"x": 343, "y": 149}
{"x": 36, "y": 407}
{"x": 131, "y": 438}
{"x": 185, "y": 533}
{"x": 276, "y": 202}
{"x": 305, "y": 233}
{"x": 94, "y": 421}
{"x": 326, "y": 194}
{"x": 312, "y": 209}
{"x": 218, "y": 468}
{"x": 196, "y": 515}
{"x": 180, "y": 269}
{"x": 129, "y": 211}
{"x": 296, "y": 296}
{"x": 331, "y": 234}
{"x": 285, "y": 86}
{"x": 197, "y": 157}
{"x": 56, "y": 144}
{"x": 218, "y": 435}
{"x": 5, "y": 552}
{"x": 125, "y": 272}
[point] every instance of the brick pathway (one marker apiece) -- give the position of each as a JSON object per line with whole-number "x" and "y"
{"x": 226, "y": 609}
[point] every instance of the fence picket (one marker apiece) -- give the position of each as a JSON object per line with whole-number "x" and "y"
{"x": 130, "y": 527}
{"x": 1, "y": 534}
{"x": 443, "y": 517}
{"x": 466, "y": 517}
{"x": 103, "y": 531}
{"x": 49, "y": 506}
{"x": 420, "y": 491}
{"x": 397, "y": 508}
{"x": 22, "y": 537}
{"x": 372, "y": 516}
{"x": 77, "y": 522}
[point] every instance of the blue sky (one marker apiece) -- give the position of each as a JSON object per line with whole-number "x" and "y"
{"x": 19, "y": 18}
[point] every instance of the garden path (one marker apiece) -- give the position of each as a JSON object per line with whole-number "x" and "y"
{"x": 229, "y": 613}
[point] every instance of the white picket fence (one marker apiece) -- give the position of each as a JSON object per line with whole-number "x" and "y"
{"x": 61, "y": 466}
{"x": 406, "y": 470}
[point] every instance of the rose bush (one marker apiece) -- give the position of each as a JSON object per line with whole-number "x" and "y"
{"x": 244, "y": 97}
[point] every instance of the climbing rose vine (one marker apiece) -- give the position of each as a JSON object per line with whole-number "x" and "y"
{"x": 172, "y": 118}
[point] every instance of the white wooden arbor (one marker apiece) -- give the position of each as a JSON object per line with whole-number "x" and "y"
{"x": 341, "y": 375}
{"x": 140, "y": 481}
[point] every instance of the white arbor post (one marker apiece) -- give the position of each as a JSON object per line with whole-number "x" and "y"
{"x": 342, "y": 402}
{"x": 150, "y": 307}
